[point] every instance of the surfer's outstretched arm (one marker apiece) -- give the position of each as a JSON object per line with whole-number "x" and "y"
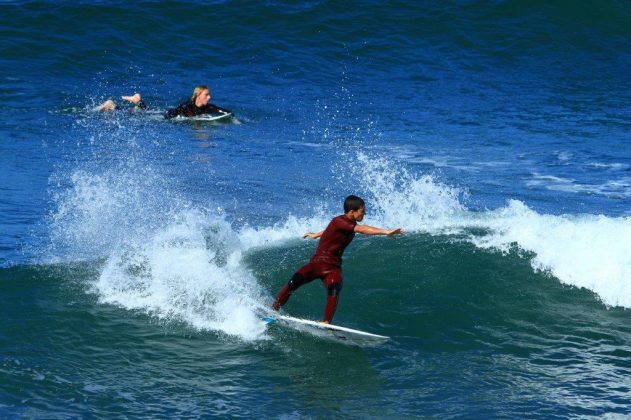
{"x": 313, "y": 235}
{"x": 370, "y": 230}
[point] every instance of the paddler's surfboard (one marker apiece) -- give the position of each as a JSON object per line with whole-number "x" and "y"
{"x": 159, "y": 115}
{"x": 328, "y": 331}
{"x": 206, "y": 117}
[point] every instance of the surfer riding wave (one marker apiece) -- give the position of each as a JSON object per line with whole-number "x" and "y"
{"x": 326, "y": 264}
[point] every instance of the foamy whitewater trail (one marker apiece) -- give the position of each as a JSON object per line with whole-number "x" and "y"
{"x": 192, "y": 270}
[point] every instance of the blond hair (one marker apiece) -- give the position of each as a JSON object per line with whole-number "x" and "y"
{"x": 198, "y": 90}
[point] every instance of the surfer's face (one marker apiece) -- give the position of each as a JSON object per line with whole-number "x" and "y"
{"x": 358, "y": 215}
{"x": 203, "y": 98}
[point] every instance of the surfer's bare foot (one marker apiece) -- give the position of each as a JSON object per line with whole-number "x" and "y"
{"x": 134, "y": 99}
{"x": 108, "y": 105}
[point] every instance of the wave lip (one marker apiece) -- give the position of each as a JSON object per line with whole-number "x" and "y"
{"x": 584, "y": 251}
{"x": 587, "y": 251}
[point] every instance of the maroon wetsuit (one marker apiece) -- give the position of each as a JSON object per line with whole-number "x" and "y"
{"x": 326, "y": 264}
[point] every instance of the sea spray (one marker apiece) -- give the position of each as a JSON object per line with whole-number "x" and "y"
{"x": 397, "y": 197}
{"x": 186, "y": 272}
{"x": 291, "y": 228}
{"x": 97, "y": 211}
{"x": 161, "y": 255}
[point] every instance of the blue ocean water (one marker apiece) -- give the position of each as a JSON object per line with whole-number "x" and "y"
{"x": 135, "y": 251}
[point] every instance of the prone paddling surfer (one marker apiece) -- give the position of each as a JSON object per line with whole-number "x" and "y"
{"x": 198, "y": 105}
{"x": 326, "y": 264}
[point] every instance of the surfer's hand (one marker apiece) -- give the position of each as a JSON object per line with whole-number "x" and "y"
{"x": 397, "y": 231}
{"x": 313, "y": 235}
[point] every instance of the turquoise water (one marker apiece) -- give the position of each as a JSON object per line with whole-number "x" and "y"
{"x": 135, "y": 252}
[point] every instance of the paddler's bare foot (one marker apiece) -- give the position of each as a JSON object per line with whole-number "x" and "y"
{"x": 108, "y": 105}
{"x": 134, "y": 99}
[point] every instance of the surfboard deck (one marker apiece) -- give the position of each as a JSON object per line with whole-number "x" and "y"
{"x": 328, "y": 331}
{"x": 159, "y": 116}
{"x": 205, "y": 117}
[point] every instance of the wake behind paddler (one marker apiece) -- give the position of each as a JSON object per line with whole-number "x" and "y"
{"x": 197, "y": 106}
{"x": 326, "y": 264}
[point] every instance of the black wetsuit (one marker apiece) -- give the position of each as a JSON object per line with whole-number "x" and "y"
{"x": 189, "y": 109}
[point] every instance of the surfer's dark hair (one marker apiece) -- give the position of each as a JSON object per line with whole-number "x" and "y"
{"x": 354, "y": 203}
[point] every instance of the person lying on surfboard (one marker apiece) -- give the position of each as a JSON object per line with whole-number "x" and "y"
{"x": 198, "y": 105}
{"x": 326, "y": 264}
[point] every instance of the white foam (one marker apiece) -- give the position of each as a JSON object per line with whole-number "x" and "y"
{"x": 396, "y": 197}
{"x": 610, "y": 188}
{"x": 191, "y": 271}
{"x": 565, "y": 156}
{"x": 291, "y": 228}
{"x": 93, "y": 213}
{"x": 609, "y": 166}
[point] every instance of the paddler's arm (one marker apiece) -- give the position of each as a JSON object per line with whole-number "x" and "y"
{"x": 220, "y": 110}
{"x": 313, "y": 235}
{"x": 370, "y": 230}
{"x": 180, "y": 110}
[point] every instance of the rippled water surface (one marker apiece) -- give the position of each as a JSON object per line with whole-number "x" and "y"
{"x": 136, "y": 253}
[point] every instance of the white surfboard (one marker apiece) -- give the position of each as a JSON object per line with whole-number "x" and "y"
{"x": 329, "y": 331}
{"x": 159, "y": 116}
{"x": 205, "y": 117}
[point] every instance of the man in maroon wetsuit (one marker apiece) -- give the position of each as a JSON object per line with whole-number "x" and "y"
{"x": 326, "y": 264}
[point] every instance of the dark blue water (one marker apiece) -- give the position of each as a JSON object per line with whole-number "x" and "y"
{"x": 135, "y": 251}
